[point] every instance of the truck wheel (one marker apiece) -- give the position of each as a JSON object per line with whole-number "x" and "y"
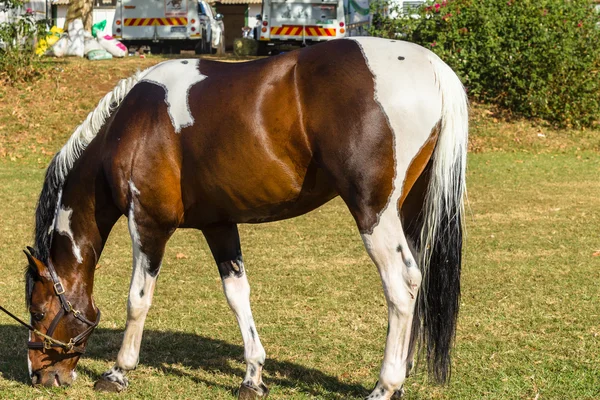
{"x": 262, "y": 49}
{"x": 199, "y": 48}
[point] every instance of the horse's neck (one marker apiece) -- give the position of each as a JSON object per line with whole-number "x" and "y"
{"x": 81, "y": 227}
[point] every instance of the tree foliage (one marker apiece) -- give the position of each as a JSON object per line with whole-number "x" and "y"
{"x": 535, "y": 58}
{"x": 18, "y": 36}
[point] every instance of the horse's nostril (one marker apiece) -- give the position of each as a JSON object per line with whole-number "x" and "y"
{"x": 35, "y": 378}
{"x": 56, "y": 380}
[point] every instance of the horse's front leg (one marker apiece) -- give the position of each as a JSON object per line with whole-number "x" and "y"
{"x": 148, "y": 248}
{"x": 224, "y": 243}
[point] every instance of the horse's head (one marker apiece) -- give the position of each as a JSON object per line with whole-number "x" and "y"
{"x": 62, "y": 316}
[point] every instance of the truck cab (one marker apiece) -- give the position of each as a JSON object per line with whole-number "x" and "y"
{"x": 167, "y": 26}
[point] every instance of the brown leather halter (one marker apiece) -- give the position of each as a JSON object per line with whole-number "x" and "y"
{"x": 66, "y": 308}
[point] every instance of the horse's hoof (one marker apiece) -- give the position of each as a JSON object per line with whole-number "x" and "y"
{"x": 398, "y": 394}
{"x": 103, "y": 385}
{"x": 248, "y": 391}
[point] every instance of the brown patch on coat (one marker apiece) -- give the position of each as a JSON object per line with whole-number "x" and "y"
{"x": 418, "y": 163}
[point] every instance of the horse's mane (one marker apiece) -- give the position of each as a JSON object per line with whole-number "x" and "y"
{"x": 63, "y": 162}
{"x": 61, "y": 165}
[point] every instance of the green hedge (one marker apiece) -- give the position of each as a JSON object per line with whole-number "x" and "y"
{"x": 535, "y": 58}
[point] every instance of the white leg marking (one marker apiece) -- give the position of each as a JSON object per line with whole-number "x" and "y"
{"x": 63, "y": 227}
{"x": 237, "y": 291}
{"x": 141, "y": 291}
{"x": 116, "y": 374}
{"x": 177, "y": 77}
{"x": 401, "y": 280}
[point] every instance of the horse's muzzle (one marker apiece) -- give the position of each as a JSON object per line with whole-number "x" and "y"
{"x": 51, "y": 378}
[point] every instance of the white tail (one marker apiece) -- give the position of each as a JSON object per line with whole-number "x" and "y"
{"x": 442, "y": 232}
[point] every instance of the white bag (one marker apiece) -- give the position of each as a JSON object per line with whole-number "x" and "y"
{"x": 60, "y": 47}
{"x": 75, "y": 28}
{"x": 112, "y": 45}
{"x": 76, "y": 46}
{"x": 91, "y": 44}
{"x": 67, "y": 47}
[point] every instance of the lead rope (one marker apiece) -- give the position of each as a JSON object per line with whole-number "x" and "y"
{"x": 48, "y": 341}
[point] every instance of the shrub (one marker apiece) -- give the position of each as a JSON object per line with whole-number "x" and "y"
{"x": 535, "y": 58}
{"x": 18, "y": 35}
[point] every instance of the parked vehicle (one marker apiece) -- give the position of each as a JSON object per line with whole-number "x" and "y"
{"x": 358, "y": 17}
{"x": 359, "y": 13}
{"x": 299, "y": 23}
{"x": 168, "y": 26}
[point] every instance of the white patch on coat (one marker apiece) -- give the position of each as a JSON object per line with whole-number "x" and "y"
{"x": 58, "y": 201}
{"x": 29, "y": 367}
{"x": 177, "y": 78}
{"x": 409, "y": 96}
{"x": 63, "y": 227}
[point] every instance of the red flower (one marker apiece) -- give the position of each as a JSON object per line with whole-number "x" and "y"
{"x": 29, "y": 11}
{"x": 447, "y": 16}
{"x": 580, "y": 24}
{"x": 437, "y": 7}
{"x": 433, "y": 44}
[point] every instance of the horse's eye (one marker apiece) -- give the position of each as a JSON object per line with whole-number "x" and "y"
{"x": 38, "y": 316}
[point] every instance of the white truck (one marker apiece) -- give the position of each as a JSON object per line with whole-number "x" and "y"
{"x": 168, "y": 26}
{"x": 298, "y": 23}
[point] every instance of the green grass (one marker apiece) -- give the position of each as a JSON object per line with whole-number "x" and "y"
{"x": 529, "y": 321}
{"x": 529, "y": 326}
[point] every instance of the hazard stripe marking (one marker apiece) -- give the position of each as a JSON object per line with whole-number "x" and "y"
{"x": 155, "y": 21}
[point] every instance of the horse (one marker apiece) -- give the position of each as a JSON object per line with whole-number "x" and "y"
{"x": 381, "y": 123}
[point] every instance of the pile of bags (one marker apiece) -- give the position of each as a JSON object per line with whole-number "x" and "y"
{"x": 97, "y": 45}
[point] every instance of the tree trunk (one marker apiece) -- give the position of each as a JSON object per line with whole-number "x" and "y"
{"x": 80, "y": 9}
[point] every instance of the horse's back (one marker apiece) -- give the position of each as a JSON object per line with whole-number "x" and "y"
{"x": 277, "y": 137}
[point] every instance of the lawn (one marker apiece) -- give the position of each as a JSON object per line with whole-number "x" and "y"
{"x": 529, "y": 326}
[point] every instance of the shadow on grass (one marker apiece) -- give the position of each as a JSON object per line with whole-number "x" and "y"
{"x": 161, "y": 350}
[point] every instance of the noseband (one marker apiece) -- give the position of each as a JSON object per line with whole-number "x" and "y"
{"x": 65, "y": 309}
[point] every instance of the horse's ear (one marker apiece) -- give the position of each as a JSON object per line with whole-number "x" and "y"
{"x": 38, "y": 267}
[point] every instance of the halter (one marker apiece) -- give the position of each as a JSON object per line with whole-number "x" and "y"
{"x": 66, "y": 308}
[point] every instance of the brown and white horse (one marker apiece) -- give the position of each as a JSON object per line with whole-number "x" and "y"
{"x": 381, "y": 123}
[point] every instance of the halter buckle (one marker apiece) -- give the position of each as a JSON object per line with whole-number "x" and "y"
{"x": 75, "y": 312}
{"x": 47, "y": 344}
{"x": 59, "y": 289}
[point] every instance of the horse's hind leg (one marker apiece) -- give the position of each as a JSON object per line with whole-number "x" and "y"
{"x": 224, "y": 242}
{"x": 389, "y": 249}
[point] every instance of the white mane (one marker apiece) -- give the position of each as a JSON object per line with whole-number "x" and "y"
{"x": 88, "y": 130}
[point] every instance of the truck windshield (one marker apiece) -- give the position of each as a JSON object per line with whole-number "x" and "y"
{"x": 324, "y": 11}
{"x": 320, "y": 13}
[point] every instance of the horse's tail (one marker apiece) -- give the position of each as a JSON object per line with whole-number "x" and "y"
{"x": 63, "y": 161}
{"x": 441, "y": 237}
